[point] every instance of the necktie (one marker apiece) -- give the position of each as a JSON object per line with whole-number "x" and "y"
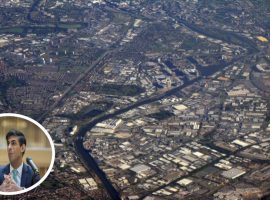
{"x": 15, "y": 176}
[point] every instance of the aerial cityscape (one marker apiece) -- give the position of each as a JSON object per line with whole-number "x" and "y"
{"x": 144, "y": 99}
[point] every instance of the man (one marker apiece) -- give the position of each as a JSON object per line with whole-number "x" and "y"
{"x": 16, "y": 175}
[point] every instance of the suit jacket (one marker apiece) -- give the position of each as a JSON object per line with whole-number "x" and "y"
{"x": 28, "y": 177}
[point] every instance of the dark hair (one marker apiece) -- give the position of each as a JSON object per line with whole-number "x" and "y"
{"x": 19, "y": 135}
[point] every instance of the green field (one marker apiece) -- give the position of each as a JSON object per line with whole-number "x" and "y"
{"x": 15, "y": 30}
{"x": 120, "y": 90}
{"x": 70, "y": 26}
{"x": 41, "y": 29}
{"x": 161, "y": 115}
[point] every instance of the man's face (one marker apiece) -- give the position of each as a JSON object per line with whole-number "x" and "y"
{"x": 14, "y": 149}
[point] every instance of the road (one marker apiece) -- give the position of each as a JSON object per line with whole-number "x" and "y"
{"x": 84, "y": 155}
{"x": 69, "y": 89}
{"x": 87, "y": 158}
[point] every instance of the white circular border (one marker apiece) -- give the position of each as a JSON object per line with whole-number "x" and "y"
{"x": 52, "y": 148}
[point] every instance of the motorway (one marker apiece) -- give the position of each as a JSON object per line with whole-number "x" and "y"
{"x": 88, "y": 159}
{"x": 69, "y": 89}
{"x": 85, "y": 157}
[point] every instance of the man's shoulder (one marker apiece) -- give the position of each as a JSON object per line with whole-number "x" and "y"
{"x": 27, "y": 169}
{"x": 4, "y": 169}
{"x": 30, "y": 174}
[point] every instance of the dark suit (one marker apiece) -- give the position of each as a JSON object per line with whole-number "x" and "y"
{"x": 28, "y": 177}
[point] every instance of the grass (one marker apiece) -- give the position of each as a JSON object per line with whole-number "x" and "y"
{"x": 120, "y": 90}
{"x": 190, "y": 43}
{"x": 120, "y": 18}
{"x": 43, "y": 29}
{"x": 70, "y": 26}
{"x": 161, "y": 115}
{"x": 88, "y": 112}
{"x": 15, "y": 30}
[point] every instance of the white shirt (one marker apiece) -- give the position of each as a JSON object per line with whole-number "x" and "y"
{"x": 19, "y": 169}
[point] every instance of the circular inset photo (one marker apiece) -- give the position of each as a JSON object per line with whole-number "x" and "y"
{"x": 26, "y": 154}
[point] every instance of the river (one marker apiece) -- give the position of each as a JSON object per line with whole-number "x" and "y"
{"x": 204, "y": 71}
